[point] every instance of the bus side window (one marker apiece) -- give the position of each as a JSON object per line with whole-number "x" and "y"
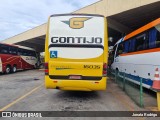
{"x": 19, "y": 51}
{"x": 4, "y": 49}
{"x": 120, "y": 49}
{"x": 132, "y": 45}
{"x": 33, "y": 53}
{"x": 13, "y": 50}
{"x": 0, "y": 48}
{"x": 158, "y": 39}
{"x": 140, "y": 42}
{"x": 152, "y": 38}
{"x": 157, "y": 29}
{"x": 24, "y": 52}
{"x": 29, "y": 53}
{"x": 158, "y": 35}
{"x": 126, "y": 46}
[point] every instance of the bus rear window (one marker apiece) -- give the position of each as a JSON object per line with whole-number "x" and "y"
{"x": 84, "y": 42}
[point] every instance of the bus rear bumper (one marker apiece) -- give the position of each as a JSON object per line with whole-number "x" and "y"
{"x": 76, "y": 85}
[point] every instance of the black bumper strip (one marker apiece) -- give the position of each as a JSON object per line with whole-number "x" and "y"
{"x": 67, "y": 77}
{"x": 76, "y": 46}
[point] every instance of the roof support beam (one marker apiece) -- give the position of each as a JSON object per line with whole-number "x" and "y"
{"x": 37, "y": 47}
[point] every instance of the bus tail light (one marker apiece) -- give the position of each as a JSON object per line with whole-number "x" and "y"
{"x": 46, "y": 68}
{"x": 104, "y": 69}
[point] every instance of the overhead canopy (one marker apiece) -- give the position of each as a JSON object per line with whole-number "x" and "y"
{"x": 123, "y": 17}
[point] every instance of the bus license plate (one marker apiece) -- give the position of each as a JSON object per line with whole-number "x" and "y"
{"x": 75, "y": 77}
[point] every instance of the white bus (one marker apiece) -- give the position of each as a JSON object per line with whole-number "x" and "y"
{"x": 138, "y": 54}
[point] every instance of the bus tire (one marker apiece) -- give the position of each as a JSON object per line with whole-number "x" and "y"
{"x": 8, "y": 69}
{"x": 14, "y": 69}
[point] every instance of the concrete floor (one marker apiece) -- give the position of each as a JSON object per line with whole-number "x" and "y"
{"x": 25, "y": 91}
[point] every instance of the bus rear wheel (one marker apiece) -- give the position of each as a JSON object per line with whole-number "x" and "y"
{"x": 8, "y": 69}
{"x": 14, "y": 69}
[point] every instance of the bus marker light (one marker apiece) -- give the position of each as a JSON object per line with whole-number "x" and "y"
{"x": 46, "y": 68}
{"x": 96, "y": 82}
{"x": 46, "y": 71}
{"x": 104, "y": 69}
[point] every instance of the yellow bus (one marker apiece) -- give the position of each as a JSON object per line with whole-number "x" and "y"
{"x": 76, "y": 52}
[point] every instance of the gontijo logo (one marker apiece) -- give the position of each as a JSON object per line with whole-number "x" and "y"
{"x": 77, "y": 22}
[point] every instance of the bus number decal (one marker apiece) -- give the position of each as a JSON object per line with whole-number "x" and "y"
{"x": 92, "y": 66}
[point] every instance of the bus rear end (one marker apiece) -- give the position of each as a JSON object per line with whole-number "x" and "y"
{"x": 76, "y": 52}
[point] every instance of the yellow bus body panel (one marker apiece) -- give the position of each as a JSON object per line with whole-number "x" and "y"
{"x": 77, "y": 85}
